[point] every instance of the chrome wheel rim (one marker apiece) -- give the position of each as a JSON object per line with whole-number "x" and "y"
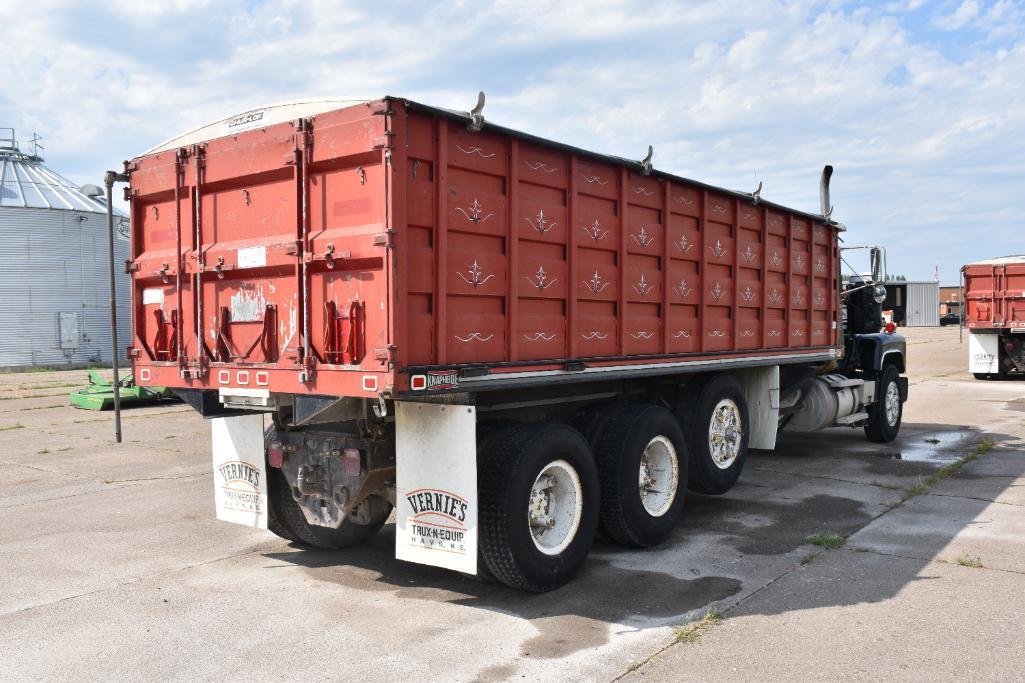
{"x": 892, "y": 403}
{"x": 555, "y": 507}
{"x": 658, "y": 476}
{"x": 725, "y": 433}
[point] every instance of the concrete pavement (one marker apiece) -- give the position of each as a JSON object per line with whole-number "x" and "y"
{"x": 114, "y": 567}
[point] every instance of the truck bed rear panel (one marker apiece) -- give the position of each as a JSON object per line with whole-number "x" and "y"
{"x": 994, "y": 294}
{"x": 384, "y": 247}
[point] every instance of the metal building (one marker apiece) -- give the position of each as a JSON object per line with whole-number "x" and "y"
{"x": 54, "y": 281}
{"x": 913, "y": 304}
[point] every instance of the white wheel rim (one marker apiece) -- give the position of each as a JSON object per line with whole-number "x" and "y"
{"x": 555, "y": 507}
{"x": 892, "y": 403}
{"x": 725, "y": 433}
{"x": 658, "y": 476}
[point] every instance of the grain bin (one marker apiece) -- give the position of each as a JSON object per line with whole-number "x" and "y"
{"x": 54, "y": 295}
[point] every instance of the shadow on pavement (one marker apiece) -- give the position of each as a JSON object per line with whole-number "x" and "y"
{"x": 724, "y": 549}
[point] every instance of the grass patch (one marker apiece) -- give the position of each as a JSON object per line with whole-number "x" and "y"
{"x": 828, "y": 541}
{"x": 16, "y": 425}
{"x": 808, "y": 559}
{"x": 690, "y": 632}
{"x": 932, "y": 441}
{"x": 42, "y": 451}
{"x": 970, "y": 561}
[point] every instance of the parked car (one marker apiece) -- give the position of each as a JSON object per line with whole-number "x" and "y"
{"x": 950, "y": 319}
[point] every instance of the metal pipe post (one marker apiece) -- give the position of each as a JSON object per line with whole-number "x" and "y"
{"x": 110, "y": 178}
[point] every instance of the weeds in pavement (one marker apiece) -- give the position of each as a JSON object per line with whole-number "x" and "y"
{"x": 932, "y": 441}
{"x": 808, "y": 559}
{"x": 688, "y": 633}
{"x": 828, "y": 541}
{"x": 42, "y": 451}
{"x": 967, "y": 560}
{"x": 16, "y": 425}
{"x": 916, "y": 490}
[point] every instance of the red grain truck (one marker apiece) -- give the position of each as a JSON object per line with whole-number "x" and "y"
{"x": 994, "y": 296}
{"x": 504, "y": 339}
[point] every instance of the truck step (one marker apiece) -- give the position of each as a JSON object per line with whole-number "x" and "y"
{"x": 852, "y": 419}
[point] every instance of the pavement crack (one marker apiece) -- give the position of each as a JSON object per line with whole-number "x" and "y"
{"x": 984, "y": 500}
{"x": 930, "y": 560}
{"x": 196, "y": 475}
{"x": 131, "y": 580}
{"x": 42, "y": 469}
{"x": 816, "y": 476}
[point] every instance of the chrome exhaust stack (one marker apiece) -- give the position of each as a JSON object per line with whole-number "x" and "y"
{"x": 827, "y": 207}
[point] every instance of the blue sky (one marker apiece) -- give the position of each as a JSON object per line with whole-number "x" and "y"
{"x": 919, "y": 104}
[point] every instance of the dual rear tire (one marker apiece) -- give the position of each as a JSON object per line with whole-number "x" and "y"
{"x": 543, "y": 492}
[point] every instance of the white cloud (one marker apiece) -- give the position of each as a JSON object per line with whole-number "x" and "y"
{"x": 927, "y": 145}
{"x": 966, "y": 12}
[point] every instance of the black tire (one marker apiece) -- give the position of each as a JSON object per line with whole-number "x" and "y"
{"x": 592, "y": 421}
{"x": 695, "y": 412}
{"x": 879, "y": 428}
{"x": 630, "y": 431}
{"x": 982, "y": 375}
{"x": 506, "y": 475}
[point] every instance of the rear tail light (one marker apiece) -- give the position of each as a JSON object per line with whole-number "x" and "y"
{"x": 351, "y": 462}
{"x": 890, "y": 328}
{"x": 275, "y": 454}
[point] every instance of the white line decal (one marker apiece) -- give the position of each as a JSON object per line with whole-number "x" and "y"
{"x": 474, "y": 336}
{"x": 475, "y": 150}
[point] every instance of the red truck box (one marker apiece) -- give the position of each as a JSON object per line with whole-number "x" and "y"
{"x": 384, "y": 248}
{"x": 994, "y": 293}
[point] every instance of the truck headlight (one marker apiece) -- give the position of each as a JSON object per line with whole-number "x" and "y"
{"x": 879, "y": 294}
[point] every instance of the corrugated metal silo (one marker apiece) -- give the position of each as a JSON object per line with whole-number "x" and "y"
{"x": 54, "y": 286}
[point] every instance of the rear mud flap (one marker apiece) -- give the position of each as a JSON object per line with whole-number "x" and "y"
{"x": 436, "y": 485}
{"x": 240, "y": 473}
{"x": 983, "y": 353}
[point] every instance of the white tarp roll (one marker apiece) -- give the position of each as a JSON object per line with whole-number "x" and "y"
{"x": 436, "y": 485}
{"x": 240, "y": 475}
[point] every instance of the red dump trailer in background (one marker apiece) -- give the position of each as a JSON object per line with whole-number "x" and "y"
{"x": 503, "y": 337}
{"x": 994, "y": 296}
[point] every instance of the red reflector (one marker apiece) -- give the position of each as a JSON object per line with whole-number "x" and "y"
{"x": 275, "y": 454}
{"x": 418, "y": 382}
{"x": 351, "y": 462}
{"x": 890, "y": 328}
